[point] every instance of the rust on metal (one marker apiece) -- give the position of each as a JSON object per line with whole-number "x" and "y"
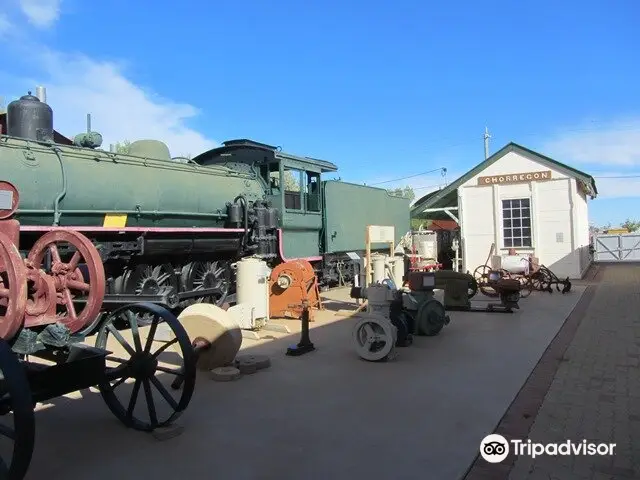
{"x": 291, "y": 286}
{"x": 11, "y": 228}
{"x": 42, "y": 297}
{"x": 13, "y": 288}
{"x": 68, "y": 279}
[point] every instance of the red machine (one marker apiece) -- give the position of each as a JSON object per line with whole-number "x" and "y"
{"x": 50, "y": 302}
{"x": 292, "y": 286}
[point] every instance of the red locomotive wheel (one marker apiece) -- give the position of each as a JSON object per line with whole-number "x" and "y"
{"x": 69, "y": 279}
{"x": 13, "y": 288}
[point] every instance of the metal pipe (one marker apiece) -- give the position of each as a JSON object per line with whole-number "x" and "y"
{"x": 123, "y": 212}
{"x": 56, "y": 203}
{"x": 245, "y": 208}
{"x": 41, "y": 93}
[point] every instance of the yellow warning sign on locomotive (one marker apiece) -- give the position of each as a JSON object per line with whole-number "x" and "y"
{"x": 115, "y": 220}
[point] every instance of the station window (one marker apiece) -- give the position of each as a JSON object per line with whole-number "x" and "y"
{"x": 312, "y": 192}
{"x": 516, "y": 223}
{"x": 292, "y": 188}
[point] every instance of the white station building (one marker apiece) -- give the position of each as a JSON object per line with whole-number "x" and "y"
{"x": 522, "y": 200}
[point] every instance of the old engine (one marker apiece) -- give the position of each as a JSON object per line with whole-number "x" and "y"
{"x": 394, "y": 315}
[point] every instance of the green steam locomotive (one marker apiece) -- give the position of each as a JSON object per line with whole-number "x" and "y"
{"x": 161, "y": 223}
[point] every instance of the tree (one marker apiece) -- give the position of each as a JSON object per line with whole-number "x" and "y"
{"x": 406, "y": 192}
{"x": 416, "y": 223}
{"x": 291, "y": 180}
{"x": 124, "y": 147}
{"x": 631, "y": 225}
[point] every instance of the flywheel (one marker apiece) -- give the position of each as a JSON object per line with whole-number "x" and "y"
{"x": 375, "y": 338}
{"x": 431, "y": 318}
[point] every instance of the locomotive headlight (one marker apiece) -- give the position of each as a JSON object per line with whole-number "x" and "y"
{"x": 284, "y": 281}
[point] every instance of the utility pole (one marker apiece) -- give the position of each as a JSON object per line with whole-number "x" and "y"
{"x": 486, "y": 142}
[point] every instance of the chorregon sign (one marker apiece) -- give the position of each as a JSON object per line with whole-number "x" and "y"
{"x": 515, "y": 178}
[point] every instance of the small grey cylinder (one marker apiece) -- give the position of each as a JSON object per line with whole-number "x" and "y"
{"x": 41, "y": 93}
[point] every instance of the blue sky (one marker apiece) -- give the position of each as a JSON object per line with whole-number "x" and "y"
{"x": 383, "y": 89}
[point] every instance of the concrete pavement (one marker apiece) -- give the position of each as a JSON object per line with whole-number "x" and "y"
{"x": 586, "y": 387}
{"x": 325, "y": 415}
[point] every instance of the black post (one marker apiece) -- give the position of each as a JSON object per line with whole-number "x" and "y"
{"x": 305, "y": 345}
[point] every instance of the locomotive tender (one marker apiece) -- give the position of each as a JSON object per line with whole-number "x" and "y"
{"x": 158, "y": 222}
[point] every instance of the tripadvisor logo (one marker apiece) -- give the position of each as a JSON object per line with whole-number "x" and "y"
{"x": 495, "y": 448}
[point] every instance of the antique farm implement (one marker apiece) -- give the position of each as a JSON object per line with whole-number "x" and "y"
{"x": 526, "y": 269}
{"x": 51, "y": 300}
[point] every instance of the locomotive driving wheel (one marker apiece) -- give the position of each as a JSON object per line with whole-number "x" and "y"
{"x": 205, "y": 275}
{"x": 149, "y": 367}
{"x": 146, "y": 279}
{"x": 77, "y": 271}
{"x": 16, "y": 406}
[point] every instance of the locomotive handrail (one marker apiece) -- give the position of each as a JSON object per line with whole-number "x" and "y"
{"x": 122, "y": 212}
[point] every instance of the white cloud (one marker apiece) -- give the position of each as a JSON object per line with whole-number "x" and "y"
{"x": 41, "y": 13}
{"x": 620, "y": 187}
{"x": 120, "y": 109}
{"x": 617, "y": 143}
{"x": 5, "y": 24}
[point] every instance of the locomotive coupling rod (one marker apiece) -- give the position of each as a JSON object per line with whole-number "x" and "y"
{"x": 205, "y": 292}
{"x": 167, "y": 298}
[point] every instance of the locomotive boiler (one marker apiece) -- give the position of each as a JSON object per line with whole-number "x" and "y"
{"x": 178, "y": 226}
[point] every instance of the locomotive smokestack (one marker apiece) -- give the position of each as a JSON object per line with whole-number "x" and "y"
{"x": 41, "y": 93}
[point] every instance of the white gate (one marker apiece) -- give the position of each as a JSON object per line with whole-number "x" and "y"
{"x": 623, "y": 247}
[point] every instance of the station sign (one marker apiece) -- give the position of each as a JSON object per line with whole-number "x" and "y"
{"x": 516, "y": 178}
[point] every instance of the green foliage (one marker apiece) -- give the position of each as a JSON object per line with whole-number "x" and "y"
{"x": 291, "y": 180}
{"x": 416, "y": 223}
{"x": 406, "y": 192}
{"x": 631, "y": 225}
{"x": 123, "y": 147}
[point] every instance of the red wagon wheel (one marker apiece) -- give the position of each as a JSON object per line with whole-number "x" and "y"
{"x": 70, "y": 275}
{"x": 13, "y": 288}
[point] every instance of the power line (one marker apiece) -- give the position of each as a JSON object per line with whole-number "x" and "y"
{"x": 627, "y": 127}
{"x": 619, "y": 176}
{"x": 441, "y": 169}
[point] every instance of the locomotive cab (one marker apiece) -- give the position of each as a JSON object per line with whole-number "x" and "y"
{"x": 292, "y": 185}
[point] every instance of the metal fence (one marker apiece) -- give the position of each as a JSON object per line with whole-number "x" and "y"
{"x": 622, "y": 247}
